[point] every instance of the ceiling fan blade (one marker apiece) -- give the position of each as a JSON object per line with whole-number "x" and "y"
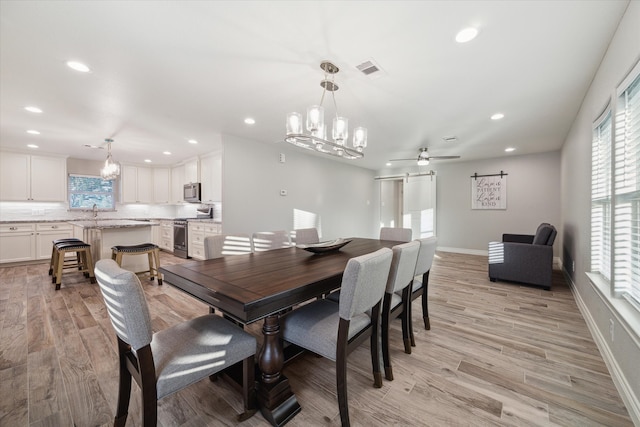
{"x": 444, "y": 157}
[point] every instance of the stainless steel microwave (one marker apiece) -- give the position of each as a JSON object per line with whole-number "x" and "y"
{"x": 191, "y": 192}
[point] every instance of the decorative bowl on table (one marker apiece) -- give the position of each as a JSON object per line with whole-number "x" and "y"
{"x": 329, "y": 245}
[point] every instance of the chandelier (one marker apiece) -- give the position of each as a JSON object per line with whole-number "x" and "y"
{"x": 315, "y": 137}
{"x": 111, "y": 169}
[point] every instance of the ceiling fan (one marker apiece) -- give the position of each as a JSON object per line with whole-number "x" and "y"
{"x": 424, "y": 157}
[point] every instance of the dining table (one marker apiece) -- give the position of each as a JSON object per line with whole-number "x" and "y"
{"x": 262, "y": 286}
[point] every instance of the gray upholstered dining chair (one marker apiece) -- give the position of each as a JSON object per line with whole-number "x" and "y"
{"x": 397, "y": 298}
{"x": 268, "y": 240}
{"x": 397, "y": 234}
{"x": 220, "y": 245}
{"x": 305, "y": 236}
{"x": 420, "y": 285}
{"x": 167, "y": 361}
{"x": 334, "y": 330}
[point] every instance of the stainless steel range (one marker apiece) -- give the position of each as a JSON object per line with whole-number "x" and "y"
{"x": 180, "y": 244}
{"x": 181, "y": 231}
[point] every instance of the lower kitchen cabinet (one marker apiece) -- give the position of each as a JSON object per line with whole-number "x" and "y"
{"x": 30, "y": 241}
{"x": 47, "y": 233}
{"x": 166, "y": 236}
{"x": 197, "y": 232}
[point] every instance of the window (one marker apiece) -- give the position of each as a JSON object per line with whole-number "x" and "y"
{"x": 615, "y": 193}
{"x": 85, "y": 191}
{"x": 626, "y": 175}
{"x": 601, "y": 196}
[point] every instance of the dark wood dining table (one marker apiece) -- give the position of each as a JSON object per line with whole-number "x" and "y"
{"x": 261, "y": 286}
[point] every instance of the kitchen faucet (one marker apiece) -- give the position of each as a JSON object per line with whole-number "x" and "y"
{"x": 95, "y": 211}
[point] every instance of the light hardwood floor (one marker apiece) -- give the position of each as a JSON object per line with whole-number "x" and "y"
{"x": 497, "y": 354}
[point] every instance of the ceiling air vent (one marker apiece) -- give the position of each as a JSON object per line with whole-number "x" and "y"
{"x": 370, "y": 69}
{"x": 450, "y": 138}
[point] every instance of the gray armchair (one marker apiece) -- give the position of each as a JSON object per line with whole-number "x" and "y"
{"x": 524, "y": 258}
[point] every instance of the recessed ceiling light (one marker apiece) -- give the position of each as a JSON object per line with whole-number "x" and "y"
{"x": 147, "y": 160}
{"x": 250, "y": 121}
{"x": 509, "y": 149}
{"x": 497, "y": 116}
{"x": 166, "y": 153}
{"x": 33, "y": 132}
{"x": 466, "y": 35}
{"x": 388, "y": 163}
{"x": 33, "y": 109}
{"x": 192, "y": 141}
{"x": 78, "y": 66}
{"x": 32, "y": 146}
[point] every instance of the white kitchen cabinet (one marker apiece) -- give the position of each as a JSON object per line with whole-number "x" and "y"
{"x": 211, "y": 177}
{"x": 46, "y": 233}
{"x": 137, "y": 184}
{"x": 17, "y": 242}
{"x": 191, "y": 171}
{"x": 177, "y": 184}
{"x": 25, "y": 177}
{"x": 161, "y": 185}
{"x": 198, "y": 231}
{"x": 166, "y": 236}
{"x": 30, "y": 241}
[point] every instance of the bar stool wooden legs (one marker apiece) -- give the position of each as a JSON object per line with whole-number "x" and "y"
{"x": 152, "y": 251}
{"x": 54, "y": 252}
{"x": 83, "y": 261}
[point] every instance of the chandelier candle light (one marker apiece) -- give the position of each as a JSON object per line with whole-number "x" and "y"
{"x": 316, "y": 136}
{"x": 111, "y": 169}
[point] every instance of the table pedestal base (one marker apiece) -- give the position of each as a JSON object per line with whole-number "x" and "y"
{"x": 277, "y": 402}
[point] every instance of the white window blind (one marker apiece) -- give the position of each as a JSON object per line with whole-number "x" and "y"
{"x": 627, "y": 191}
{"x": 601, "y": 196}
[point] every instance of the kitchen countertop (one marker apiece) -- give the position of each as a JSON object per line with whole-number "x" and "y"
{"x": 114, "y": 223}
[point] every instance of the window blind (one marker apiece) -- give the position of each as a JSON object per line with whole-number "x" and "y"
{"x": 601, "y": 196}
{"x": 627, "y": 192}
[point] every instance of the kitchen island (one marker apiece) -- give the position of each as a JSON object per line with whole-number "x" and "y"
{"x": 104, "y": 234}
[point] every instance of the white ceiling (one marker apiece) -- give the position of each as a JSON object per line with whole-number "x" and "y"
{"x": 164, "y": 72}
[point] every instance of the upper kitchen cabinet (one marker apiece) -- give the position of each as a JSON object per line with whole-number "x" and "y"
{"x": 25, "y": 177}
{"x": 162, "y": 185}
{"x": 137, "y": 184}
{"x": 191, "y": 171}
{"x": 211, "y": 177}
{"x": 177, "y": 184}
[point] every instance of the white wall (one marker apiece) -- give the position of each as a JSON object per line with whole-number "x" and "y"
{"x": 341, "y": 194}
{"x": 623, "y": 354}
{"x": 533, "y": 196}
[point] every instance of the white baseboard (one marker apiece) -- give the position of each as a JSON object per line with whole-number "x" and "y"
{"x": 626, "y": 391}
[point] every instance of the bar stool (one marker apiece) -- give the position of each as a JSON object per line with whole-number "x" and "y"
{"x": 54, "y": 253}
{"x": 152, "y": 251}
{"x": 84, "y": 261}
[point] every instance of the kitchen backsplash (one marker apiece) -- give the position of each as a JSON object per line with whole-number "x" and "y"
{"x": 23, "y": 211}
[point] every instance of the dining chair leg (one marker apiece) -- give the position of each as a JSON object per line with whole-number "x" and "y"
{"x": 341, "y": 372}
{"x": 248, "y": 389}
{"x": 124, "y": 387}
{"x": 375, "y": 348}
{"x": 425, "y": 305}
{"x": 406, "y": 320}
{"x": 386, "y": 358}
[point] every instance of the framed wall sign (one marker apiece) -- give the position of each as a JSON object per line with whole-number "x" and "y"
{"x": 489, "y": 191}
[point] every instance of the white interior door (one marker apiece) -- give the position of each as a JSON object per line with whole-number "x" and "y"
{"x": 419, "y": 206}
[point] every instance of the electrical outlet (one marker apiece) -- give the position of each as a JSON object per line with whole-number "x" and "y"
{"x": 611, "y": 329}
{"x": 282, "y": 158}
{"x": 573, "y": 266}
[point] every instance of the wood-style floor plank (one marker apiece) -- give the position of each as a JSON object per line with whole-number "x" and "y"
{"x": 498, "y": 354}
